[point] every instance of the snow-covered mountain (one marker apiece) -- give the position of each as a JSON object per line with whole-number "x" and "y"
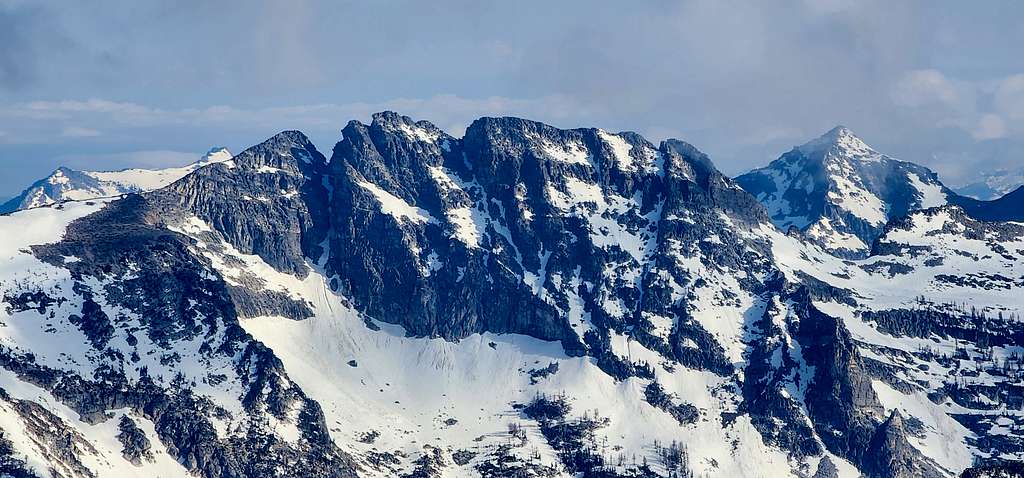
{"x": 521, "y": 301}
{"x": 66, "y": 184}
{"x": 840, "y": 192}
{"x": 993, "y": 184}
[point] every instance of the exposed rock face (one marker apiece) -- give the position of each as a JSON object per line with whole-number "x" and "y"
{"x": 663, "y": 282}
{"x": 136, "y": 445}
{"x": 840, "y": 400}
{"x": 889, "y": 453}
{"x": 481, "y": 223}
{"x": 267, "y": 201}
{"x": 439, "y": 259}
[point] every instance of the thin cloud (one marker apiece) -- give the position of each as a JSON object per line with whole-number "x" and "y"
{"x": 448, "y": 111}
{"x": 80, "y": 132}
{"x": 744, "y": 81}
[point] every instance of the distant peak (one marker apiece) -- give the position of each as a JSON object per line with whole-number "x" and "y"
{"x": 216, "y": 154}
{"x": 839, "y": 141}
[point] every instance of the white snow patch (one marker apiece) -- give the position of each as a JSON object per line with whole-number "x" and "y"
{"x": 931, "y": 194}
{"x": 397, "y": 207}
{"x": 572, "y": 152}
{"x": 621, "y": 150}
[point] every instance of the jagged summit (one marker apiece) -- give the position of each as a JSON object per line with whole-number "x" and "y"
{"x": 288, "y": 150}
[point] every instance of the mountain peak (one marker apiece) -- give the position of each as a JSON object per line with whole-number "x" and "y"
{"x": 839, "y": 142}
{"x": 424, "y": 131}
{"x": 838, "y": 131}
{"x": 289, "y": 150}
{"x": 390, "y": 117}
{"x": 840, "y": 191}
{"x": 62, "y": 172}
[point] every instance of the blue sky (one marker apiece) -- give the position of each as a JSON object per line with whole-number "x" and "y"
{"x": 103, "y": 84}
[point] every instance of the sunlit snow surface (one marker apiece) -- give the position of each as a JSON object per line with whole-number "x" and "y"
{"x": 408, "y": 388}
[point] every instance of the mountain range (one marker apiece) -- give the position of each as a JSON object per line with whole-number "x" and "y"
{"x": 521, "y": 301}
{"x": 994, "y": 184}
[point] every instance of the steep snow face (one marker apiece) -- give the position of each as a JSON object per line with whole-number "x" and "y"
{"x": 67, "y": 184}
{"x": 837, "y": 188}
{"x": 993, "y": 184}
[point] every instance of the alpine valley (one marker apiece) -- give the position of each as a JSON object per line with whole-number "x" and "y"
{"x": 523, "y": 301}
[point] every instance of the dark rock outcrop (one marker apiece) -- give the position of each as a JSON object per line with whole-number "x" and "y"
{"x": 136, "y": 446}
